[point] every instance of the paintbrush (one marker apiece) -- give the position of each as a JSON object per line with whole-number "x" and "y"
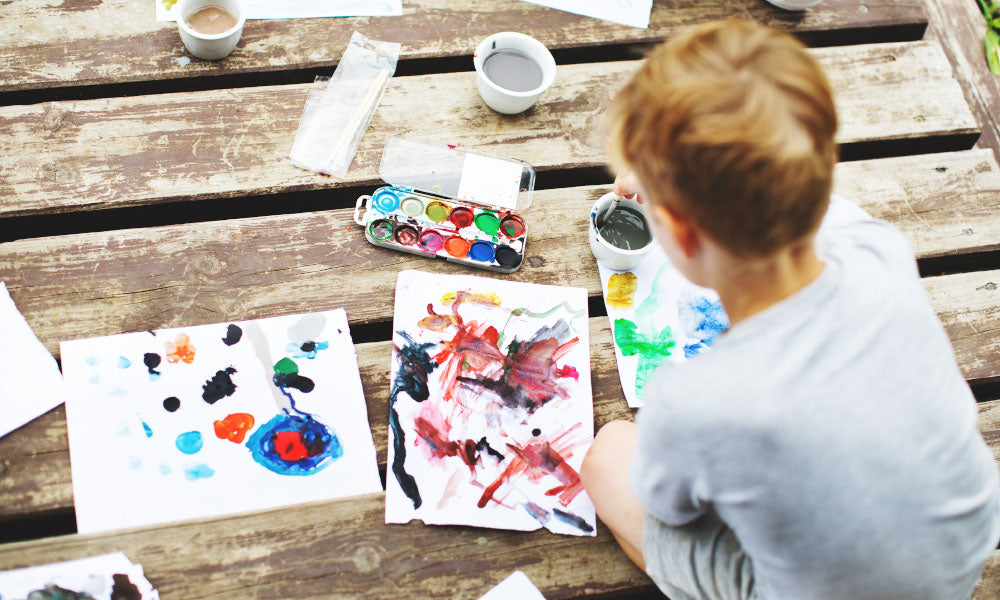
{"x": 601, "y": 219}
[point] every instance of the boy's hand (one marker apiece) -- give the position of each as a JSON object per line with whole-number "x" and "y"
{"x": 627, "y": 185}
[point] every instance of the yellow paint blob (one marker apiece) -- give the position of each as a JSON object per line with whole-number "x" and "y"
{"x": 621, "y": 288}
{"x": 490, "y": 298}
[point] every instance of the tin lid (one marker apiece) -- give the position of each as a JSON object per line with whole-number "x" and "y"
{"x": 453, "y": 172}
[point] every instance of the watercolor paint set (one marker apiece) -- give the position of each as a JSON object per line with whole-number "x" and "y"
{"x": 446, "y": 202}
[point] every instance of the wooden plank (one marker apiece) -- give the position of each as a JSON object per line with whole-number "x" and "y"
{"x": 47, "y": 45}
{"x": 117, "y": 152}
{"x": 134, "y": 280}
{"x": 969, "y": 306}
{"x": 989, "y": 583}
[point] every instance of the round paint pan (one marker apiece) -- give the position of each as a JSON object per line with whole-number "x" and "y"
{"x": 481, "y": 251}
{"x": 461, "y": 217}
{"x": 430, "y": 241}
{"x": 412, "y": 206}
{"x": 512, "y": 226}
{"x": 385, "y": 201}
{"x": 456, "y": 246}
{"x": 488, "y": 223}
{"x": 380, "y": 230}
{"x": 406, "y": 235}
{"x": 507, "y": 257}
{"x": 437, "y": 211}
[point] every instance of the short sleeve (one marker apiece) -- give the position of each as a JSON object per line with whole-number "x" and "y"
{"x": 665, "y": 475}
{"x": 847, "y": 227}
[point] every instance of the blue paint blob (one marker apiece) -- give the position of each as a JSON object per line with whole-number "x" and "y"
{"x": 124, "y": 363}
{"x": 294, "y": 445}
{"x": 386, "y": 201}
{"x": 154, "y": 376}
{"x": 703, "y": 319}
{"x": 481, "y": 251}
{"x": 92, "y": 361}
{"x": 145, "y": 427}
{"x": 190, "y": 442}
{"x": 196, "y": 472}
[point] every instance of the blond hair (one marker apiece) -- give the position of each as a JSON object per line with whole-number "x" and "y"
{"x": 732, "y": 126}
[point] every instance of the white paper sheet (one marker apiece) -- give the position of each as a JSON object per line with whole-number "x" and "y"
{"x": 665, "y": 318}
{"x": 96, "y": 576}
{"x": 300, "y": 9}
{"x": 516, "y": 586}
{"x": 30, "y": 382}
{"x": 491, "y": 409}
{"x": 634, "y": 13}
{"x": 155, "y": 438}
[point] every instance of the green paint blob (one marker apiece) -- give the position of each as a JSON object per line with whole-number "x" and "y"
{"x": 437, "y": 211}
{"x": 631, "y": 342}
{"x": 286, "y": 366}
{"x": 488, "y": 223}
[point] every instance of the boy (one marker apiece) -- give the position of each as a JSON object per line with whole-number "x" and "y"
{"x": 826, "y": 447}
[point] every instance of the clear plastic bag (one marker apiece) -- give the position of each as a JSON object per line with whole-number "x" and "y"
{"x": 339, "y": 108}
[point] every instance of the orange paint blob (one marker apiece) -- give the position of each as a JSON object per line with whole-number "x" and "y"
{"x": 234, "y": 427}
{"x": 456, "y": 246}
{"x": 180, "y": 349}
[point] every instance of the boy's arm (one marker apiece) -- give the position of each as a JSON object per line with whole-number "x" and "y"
{"x": 665, "y": 475}
{"x": 846, "y": 223}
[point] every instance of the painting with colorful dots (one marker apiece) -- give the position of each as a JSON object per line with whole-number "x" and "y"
{"x": 490, "y": 405}
{"x": 657, "y": 316}
{"x": 214, "y": 419}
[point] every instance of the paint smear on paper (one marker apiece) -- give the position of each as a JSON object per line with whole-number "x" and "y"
{"x": 621, "y": 289}
{"x": 234, "y": 427}
{"x": 219, "y": 386}
{"x": 196, "y": 472}
{"x": 415, "y": 365}
{"x": 703, "y": 319}
{"x": 124, "y": 363}
{"x": 651, "y": 351}
{"x": 189, "y": 442}
{"x": 294, "y": 445}
{"x": 180, "y": 350}
{"x": 286, "y": 375}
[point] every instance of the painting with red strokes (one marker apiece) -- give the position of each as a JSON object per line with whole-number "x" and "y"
{"x": 207, "y": 420}
{"x": 490, "y": 406}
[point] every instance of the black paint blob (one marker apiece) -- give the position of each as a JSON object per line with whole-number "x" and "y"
{"x": 295, "y": 381}
{"x": 219, "y": 386}
{"x": 575, "y": 521}
{"x": 482, "y": 445}
{"x": 123, "y": 589}
{"x": 507, "y": 257}
{"x": 536, "y": 432}
{"x": 233, "y": 335}
{"x": 308, "y": 346}
{"x": 151, "y": 360}
{"x": 414, "y": 367}
{"x": 172, "y": 403}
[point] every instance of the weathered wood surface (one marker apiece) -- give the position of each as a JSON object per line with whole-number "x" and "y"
{"x": 116, "y": 152}
{"x": 134, "y": 280}
{"x": 959, "y": 26}
{"x": 81, "y": 42}
{"x": 989, "y": 583}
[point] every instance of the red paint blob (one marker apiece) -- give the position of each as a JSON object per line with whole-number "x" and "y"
{"x": 461, "y": 217}
{"x": 568, "y": 371}
{"x": 289, "y": 446}
{"x": 234, "y": 427}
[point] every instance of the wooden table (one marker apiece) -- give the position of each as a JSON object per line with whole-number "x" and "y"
{"x": 138, "y": 193}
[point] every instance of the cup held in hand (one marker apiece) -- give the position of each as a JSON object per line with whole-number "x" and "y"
{"x": 200, "y": 35}
{"x": 626, "y": 253}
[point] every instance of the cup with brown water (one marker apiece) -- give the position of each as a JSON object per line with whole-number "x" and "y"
{"x": 210, "y": 29}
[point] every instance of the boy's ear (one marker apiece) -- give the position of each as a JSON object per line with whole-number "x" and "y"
{"x": 684, "y": 233}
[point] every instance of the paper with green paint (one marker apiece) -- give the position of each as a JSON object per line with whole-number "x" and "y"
{"x": 657, "y": 316}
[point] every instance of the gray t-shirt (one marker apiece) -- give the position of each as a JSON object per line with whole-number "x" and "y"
{"x": 833, "y": 432}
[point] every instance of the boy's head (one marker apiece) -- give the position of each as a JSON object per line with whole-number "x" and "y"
{"x": 730, "y": 127}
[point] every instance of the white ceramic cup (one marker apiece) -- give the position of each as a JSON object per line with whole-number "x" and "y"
{"x": 210, "y": 47}
{"x": 605, "y": 252}
{"x": 794, "y": 4}
{"x": 503, "y": 100}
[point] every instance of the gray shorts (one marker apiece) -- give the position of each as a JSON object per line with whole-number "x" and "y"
{"x": 699, "y": 560}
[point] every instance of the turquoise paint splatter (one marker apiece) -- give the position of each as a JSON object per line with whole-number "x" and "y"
{"x": 190, "y": 442}
{"x": 124, "y": 363}
{"x": 92, "y": 361}
{"x": 196, "y": 472}
{"x": 145, "y": 427}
